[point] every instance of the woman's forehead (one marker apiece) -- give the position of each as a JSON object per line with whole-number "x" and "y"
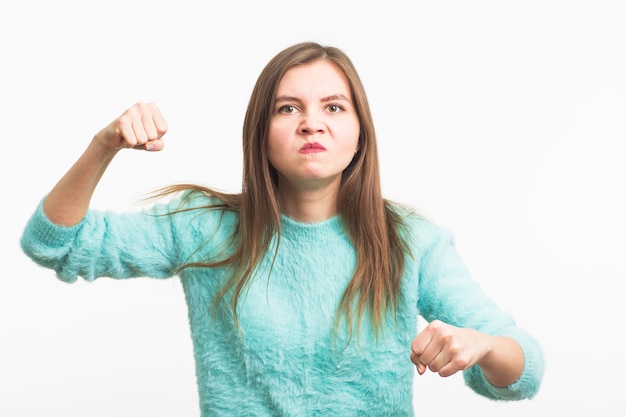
{"x": 322, "y": 77}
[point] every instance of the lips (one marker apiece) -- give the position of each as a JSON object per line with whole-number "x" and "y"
{"x": 311, "y": 147}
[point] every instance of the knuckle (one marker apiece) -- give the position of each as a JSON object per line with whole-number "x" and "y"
{"x": 124, "y": 119}
{"x": 461, "y": 361}
{"x": 440, "y": 327}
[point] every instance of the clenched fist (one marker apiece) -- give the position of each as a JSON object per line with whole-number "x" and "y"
{"x": 142, "y": 126}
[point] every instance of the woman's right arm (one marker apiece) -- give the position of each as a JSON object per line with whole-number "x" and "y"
{"x": 140, "y": 127}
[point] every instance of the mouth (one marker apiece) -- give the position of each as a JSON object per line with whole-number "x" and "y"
{"x": 311, "y": 147}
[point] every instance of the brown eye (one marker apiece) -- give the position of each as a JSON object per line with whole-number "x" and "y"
{"x": 334, "y": 108}
{"x": 287, "y": 109}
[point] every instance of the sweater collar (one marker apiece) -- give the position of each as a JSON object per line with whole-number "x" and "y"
{"x": 321, "y": 231}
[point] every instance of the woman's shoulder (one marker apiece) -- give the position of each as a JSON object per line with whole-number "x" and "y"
{"x": 421, "y": 230}
{"x": 185, "y": 198}
{"x": 195, "y": 206}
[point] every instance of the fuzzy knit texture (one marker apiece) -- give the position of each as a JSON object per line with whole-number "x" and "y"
{"x": 285, "y": 361}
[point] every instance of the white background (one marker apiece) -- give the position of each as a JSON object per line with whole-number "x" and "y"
{"x": 504, "y": 121}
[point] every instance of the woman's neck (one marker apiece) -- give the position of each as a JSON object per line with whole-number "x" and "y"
{"x": 309, "y": 206}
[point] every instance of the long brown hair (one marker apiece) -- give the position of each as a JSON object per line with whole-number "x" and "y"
{"x": 372, "y": 223}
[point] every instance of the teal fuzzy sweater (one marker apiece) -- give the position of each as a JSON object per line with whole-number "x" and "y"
{"x": 285, "y": 361}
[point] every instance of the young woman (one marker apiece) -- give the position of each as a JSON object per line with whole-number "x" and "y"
{"x": 304, "y": 289}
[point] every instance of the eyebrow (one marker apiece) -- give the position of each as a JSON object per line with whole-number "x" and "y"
{"x": 333, "y": 97}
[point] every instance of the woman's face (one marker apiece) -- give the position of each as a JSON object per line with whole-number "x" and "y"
{"x": 314, "y": 128}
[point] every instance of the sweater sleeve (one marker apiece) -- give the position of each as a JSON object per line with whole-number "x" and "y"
{"x": 107, "y": 244}
{"x": 448, "y": 293}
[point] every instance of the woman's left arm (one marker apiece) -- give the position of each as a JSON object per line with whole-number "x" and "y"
{"x": 467, "y": 331}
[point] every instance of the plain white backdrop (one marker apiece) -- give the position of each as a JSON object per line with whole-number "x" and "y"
{"x": 504, "y": 121}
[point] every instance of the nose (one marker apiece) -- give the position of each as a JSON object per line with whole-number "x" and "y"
{"x": 311, "y": 124}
